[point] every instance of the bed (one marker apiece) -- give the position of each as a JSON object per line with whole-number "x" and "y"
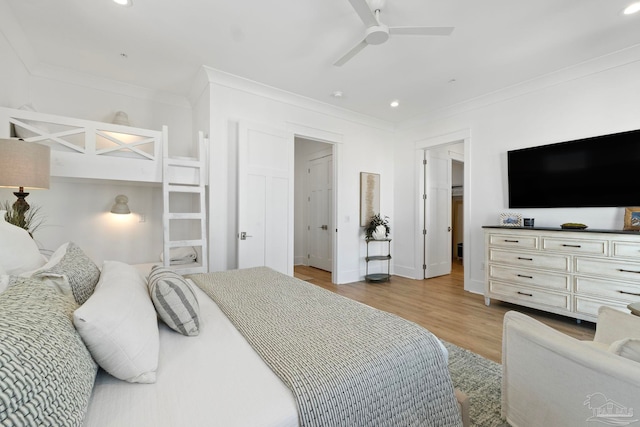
{"x": 64, "y": 323}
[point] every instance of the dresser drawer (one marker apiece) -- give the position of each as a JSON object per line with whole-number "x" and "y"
{"x": 623, "y": 291}
{"x": 575, "y": 246}
{"x": 528, "y": 296}
{"x": 609, "y": 268}
{"x": 531, "y": 260}
{"x": 629, "y": 250}
{"x": 507, "y": 241}
{"x": 590, "y": 306}
{"x": 560, "y": 282}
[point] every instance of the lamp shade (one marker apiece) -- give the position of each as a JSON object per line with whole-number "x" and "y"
{"x": 120, "y": 206}
{"x": 24, "y": 164}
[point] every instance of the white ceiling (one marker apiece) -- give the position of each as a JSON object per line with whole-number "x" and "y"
{"x": 292, "y": 44}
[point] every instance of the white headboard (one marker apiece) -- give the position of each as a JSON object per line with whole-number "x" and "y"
{"x": 88, "y": 149}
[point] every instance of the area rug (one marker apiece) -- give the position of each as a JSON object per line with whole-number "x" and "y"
{"x": 480, "y": 379}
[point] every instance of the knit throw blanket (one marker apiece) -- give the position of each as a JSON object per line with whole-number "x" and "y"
{"x": 347, "y": 364}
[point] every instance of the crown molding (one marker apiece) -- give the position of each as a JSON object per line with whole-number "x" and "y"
{"x": 231, "y": 81}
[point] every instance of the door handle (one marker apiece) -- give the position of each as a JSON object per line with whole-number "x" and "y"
{"x": 324, "y": 227}
{"x": 244, "y": 235}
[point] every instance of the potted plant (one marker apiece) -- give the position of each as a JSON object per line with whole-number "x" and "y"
{"x": 30, "y": 221}
{"x": 378, "y": 228}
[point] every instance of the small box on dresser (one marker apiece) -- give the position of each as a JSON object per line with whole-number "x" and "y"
{"x": 567, "y": 272}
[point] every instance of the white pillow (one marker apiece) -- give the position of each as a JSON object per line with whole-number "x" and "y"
{"x": 119, "y": 325}
{"x": 628, "y": 348}
{"x": 18, "y": 251}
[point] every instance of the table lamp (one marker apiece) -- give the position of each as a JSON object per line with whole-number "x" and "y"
{"x": 25, "y": 165}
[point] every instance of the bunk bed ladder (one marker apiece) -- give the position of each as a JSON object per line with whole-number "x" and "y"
{"x": 186, "y": 178}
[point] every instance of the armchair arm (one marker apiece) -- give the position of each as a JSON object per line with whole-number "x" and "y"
{"x": 549, "y": 377}
{"x": 614, "y": 325}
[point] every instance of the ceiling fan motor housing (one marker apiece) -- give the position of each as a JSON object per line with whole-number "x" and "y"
{"x": 377, "y": 34}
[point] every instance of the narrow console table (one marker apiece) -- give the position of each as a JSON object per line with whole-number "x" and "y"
{"x": 378, "y": 277}
{"x": 567, "y": 272}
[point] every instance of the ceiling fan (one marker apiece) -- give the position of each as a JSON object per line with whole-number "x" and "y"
{"x": 378, "y": 33}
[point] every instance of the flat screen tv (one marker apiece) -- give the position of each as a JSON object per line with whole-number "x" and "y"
{"x": 601, "y": 171}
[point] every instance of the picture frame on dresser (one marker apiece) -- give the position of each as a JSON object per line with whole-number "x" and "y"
{"x": 510, "y": 219}
{"x": 632, "y": 219}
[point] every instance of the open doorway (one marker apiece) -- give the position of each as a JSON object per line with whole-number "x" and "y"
{"x": 314, "y": 230}
{"x": 443, "y": 208}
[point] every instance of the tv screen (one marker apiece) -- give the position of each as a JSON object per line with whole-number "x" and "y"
{"x": 601, "y": 171}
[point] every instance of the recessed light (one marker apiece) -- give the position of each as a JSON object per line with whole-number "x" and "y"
{"x": 126, "y": 3}
{"x": 395, "y": 103}
{"x": 337, "y": 94}
{"x": 632, "y": 8}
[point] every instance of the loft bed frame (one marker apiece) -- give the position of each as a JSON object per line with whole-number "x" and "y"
{"x": 87, "y": 149}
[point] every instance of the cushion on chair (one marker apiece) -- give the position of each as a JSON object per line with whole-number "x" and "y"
{"x": 614, "y": 325}
{"x": 628, "y": 348}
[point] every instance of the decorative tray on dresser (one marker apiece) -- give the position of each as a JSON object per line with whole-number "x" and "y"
{"x": 564, "y": 271}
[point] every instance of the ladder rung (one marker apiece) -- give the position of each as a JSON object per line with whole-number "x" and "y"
{"x": 181, "y": 243}
{"x": 188, "y": 268}
{"x": 175, "y": 188}
{"x": 187, "y": 163}
{"x": 186, "y": 215}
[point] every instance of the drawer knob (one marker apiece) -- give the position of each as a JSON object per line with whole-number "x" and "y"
{"x": 628, "y": 271}
{"x": 526, "y": 277}
{"x": 629, "y": 293}
{"x": 572, "y": 246}
{"x": 525, "y": 294}
{"x": 525, "y": 259}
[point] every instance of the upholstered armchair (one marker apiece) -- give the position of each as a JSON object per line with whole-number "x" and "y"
{"x": 551, "y": 379}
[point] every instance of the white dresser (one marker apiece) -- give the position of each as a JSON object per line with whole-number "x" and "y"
{"x": 568, "y": 272}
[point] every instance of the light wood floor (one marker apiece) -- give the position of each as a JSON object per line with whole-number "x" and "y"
{"x": 442, "y": 306}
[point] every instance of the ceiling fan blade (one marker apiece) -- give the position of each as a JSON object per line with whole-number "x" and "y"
{"x": 421, "y": 31}
{"x": 364, "y": 12}
{"x": 347, "y": 56}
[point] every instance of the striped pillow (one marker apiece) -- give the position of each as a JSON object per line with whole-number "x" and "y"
{"x": 174, "y": 300}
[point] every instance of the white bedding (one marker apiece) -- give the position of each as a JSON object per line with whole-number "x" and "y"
{"x": 213, "y": 379}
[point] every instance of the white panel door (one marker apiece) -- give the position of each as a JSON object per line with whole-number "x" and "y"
{"x": 437, "y": 214}
{"x": 265, "y": 198}
{"x": 320, "y": 227}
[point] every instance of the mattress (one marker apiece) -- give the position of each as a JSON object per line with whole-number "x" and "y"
{"x": 213, "y": 379}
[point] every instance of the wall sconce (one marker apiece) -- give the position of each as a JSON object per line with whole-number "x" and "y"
{"x": 24, "y": 165}
{"x": 121, "y": 207}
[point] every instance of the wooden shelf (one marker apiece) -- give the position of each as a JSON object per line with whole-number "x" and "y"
{"x": 378, "y": 277}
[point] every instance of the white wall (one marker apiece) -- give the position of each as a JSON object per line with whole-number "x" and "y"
{"x": 365, "y": 145}
{"x": 79, "y": 212}
{"x": 14, "y": 77}
{"x": 598, "y": 97}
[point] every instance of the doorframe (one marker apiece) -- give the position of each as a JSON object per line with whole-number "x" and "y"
{"x": 463, "y": 135}
{"x": 335, "y": 141}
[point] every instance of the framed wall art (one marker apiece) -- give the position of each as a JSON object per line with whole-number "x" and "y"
{"x": 632, "y": 219}
{"x": 510, "y": 219}
{"x": 369, "y": 196}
